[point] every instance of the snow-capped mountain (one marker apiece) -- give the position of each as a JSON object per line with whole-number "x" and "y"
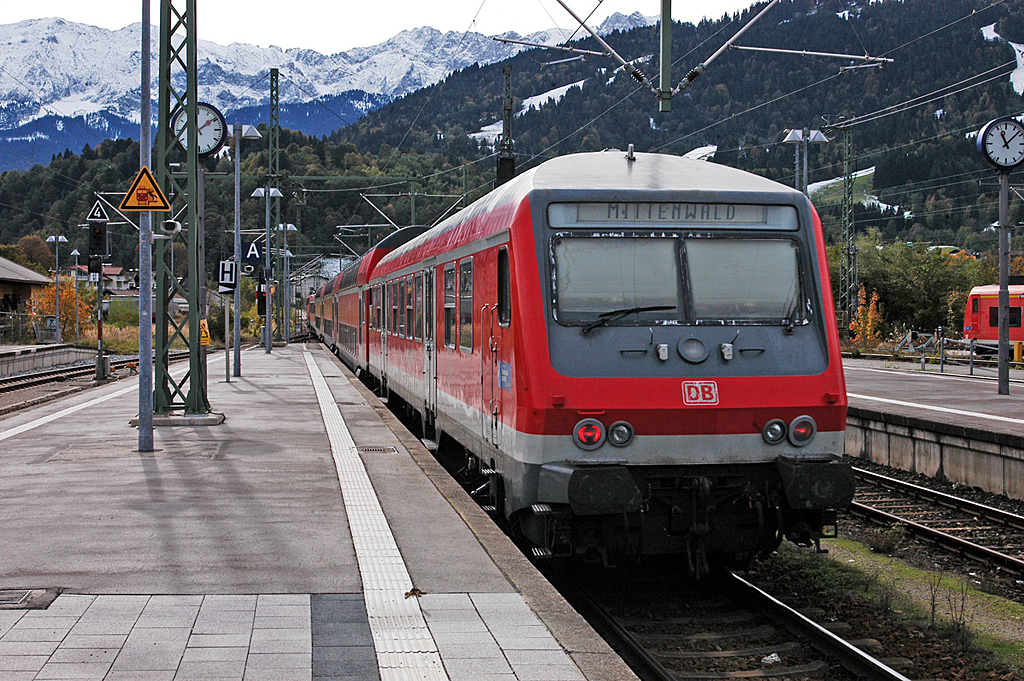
{"x": 65, "y": 71}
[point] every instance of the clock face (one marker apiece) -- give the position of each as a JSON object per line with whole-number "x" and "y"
{"x": 212, "y": 133}
{"x": 1001, "y": 143}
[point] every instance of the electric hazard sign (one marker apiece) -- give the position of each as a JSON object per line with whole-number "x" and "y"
{"x": 145, "y": 194}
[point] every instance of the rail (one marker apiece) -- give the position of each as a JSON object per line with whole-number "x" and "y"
{"x": 971, "y": 512}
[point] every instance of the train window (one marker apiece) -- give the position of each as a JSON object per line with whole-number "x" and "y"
{"x": 401, "y": 307}
{"x": 504, "y": 289}
{"x": 466, "y": 305}
{"x": 418, "y": 326}
{"x": 428, "y": 306}
{"x": 380, "y": 321}
{"x": 743, "y": 278}
{"x": 993, "y": 317}
{"x": 598, "y": 275}
{"x": 409, "y": 311}
{"x": 450, "y": 317}
{"x": 974, "y": 305}
{"x": 394, "y": 307}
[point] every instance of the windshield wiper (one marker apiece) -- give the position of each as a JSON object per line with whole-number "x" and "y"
{"x": 615, "y": 315}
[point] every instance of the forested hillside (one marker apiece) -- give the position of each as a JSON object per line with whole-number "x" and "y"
{"x": 912, "y": 121}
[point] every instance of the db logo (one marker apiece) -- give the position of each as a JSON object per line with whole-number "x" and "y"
{"x": 700, "y": 392}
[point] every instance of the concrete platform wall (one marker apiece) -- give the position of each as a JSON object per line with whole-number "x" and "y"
{"x": 35, "y": 357}
{"x": 990, "y": 461}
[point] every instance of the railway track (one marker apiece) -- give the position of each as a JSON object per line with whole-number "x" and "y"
{"x": 979, "y": 532}
{"x": 37, "y": 378}
{"x": 723, "y": 628}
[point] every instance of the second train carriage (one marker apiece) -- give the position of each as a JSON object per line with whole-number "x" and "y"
{"x": 638, "y": 355}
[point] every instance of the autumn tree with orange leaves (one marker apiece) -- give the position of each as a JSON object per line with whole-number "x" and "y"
{"x": 45, "y": 305}
{"x": 866, "y": 327}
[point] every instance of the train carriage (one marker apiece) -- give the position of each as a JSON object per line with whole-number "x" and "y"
{"x": 638, "y": 355}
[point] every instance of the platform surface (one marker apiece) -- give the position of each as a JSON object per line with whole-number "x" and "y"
{"x": 307, "y": 537}
{"x": 952, "y": 397}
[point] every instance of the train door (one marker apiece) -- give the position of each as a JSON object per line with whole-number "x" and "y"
{"x": 494, "y": 320}
{"x": 386, "y": 318}
{"x": 429, "y": 348}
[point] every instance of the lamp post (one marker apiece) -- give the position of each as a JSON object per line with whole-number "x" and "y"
{"x": 238, "y": 133}
{"x": 803, "y": 138}
{"x": 267, "y": 193}
{"x": 76, "y": 254}
{"x": 57, "y": 240}
{"x": 286, "y": 286}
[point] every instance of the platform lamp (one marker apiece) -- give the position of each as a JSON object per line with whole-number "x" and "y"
{"x": 239, "y": 132}
{"x": 286, "y": 305}
{"x": 803, "y": 138}
{"x": 267, "y": 193}
{"x": 57, "y": 240}
{"x": 76, "y": 254}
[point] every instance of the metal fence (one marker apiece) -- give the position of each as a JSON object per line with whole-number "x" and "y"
{"x": 936, "y": 347}
{"x": 17, "y": 329}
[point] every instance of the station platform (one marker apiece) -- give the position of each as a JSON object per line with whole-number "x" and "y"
{"x": 309, "y": 536}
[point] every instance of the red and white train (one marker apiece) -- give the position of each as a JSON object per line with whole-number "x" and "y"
{"x": 981, "y": 318}
{"x": 635, "y": 354}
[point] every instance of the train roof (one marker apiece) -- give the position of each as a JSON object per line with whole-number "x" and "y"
{"x": 610, "y": 170}
{"x": 993, "y": 290}
{"x": 601, "y": 171}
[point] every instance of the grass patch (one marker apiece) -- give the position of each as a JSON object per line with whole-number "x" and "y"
{"x": 948, "y": 605}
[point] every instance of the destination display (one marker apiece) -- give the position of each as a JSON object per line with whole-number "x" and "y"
{"x": 662, "y": 215}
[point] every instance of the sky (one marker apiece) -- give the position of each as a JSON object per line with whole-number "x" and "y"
{"x": 330, "y": 27}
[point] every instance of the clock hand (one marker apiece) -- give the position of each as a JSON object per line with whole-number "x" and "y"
{"x": 1002, "y": 133}
{"x": 1007, "y": 141}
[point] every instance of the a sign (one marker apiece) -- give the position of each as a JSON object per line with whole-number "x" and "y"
{"x": 94, "y": 277}
{"x": 97, "y": 213}
{"x": 228, "y": 279}
{"x": 252, "y": 253}
{"x": 204, "y": 332}
{"x": 700, "y": 392}
{"x": 145, "y": 194}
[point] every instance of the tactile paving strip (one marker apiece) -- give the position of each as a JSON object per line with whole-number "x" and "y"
{"x": 405, "y": 649}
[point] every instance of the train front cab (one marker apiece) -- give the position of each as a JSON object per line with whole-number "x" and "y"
{"x": 693, "y": 373}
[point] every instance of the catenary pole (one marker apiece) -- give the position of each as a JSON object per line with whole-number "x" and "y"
{"x": 145, "y": 250}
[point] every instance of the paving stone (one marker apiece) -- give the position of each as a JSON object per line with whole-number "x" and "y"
{"x": 27, "y": 647}
{"x": 465, "y": 626}
{"x": 473, "y": 668}
{"x": 237, "y": 654}
{"x": 283, "y": 599}
{"x": 342, "y": 634}
{"x": 541, "y": 672}
{"x": 281, "y": 635}
{"x": 211, "y": 670}
{"x": 229, "y": 602}
{"x": 430, "y": 602}
{"x": 280, "y": 622}
{"x": 22, "y": 663}
{"x": 75, "y": 671}
{"x": 140, "y": 676}
{"x": 356, "y": 668}
{"x": 461, "y": 650}
{"x": 36, "y": 634}
{"x": 278, "y": 646}
{"x": 281, "y": 675}
{"x": 74, "y": 640}
{"x": 282, "y": 610}
{"x": 278, "y": 661}
{"x": 83, "y": 655}
{"x": 218, "y": 640}
{"x": 175, "y": 601}
{"x": 344, "y": 654}
{"x": 33, "y": 620}
{"x": 103, "y": 628}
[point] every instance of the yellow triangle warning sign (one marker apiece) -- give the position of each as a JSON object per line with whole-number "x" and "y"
{"x": 145, "y": 194}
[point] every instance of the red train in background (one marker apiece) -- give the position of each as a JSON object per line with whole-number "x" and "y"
{"x": 981, "y": 318}
{"x": 623, "y": 355}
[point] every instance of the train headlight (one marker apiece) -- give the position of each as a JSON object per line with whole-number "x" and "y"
{"x": 774, "y": 432}
{"x": 620, "y": 434}
{"x": 692, "y": 350}
{"x": 588, "y": 434}
{"x": 802, "y": 430}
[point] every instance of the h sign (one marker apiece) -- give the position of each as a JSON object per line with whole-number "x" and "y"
{"x": 228, "y": 279}
{"x": 700, "y": 392}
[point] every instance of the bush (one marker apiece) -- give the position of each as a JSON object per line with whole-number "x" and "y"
{"x": 123, "y": 313}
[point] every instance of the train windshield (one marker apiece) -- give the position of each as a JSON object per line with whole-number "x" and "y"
{"x": 676, "y": 276}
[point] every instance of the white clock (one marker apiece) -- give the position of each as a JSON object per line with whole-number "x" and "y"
{"x": 1001, "y": 143}
{"x": 212, "y": 132}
